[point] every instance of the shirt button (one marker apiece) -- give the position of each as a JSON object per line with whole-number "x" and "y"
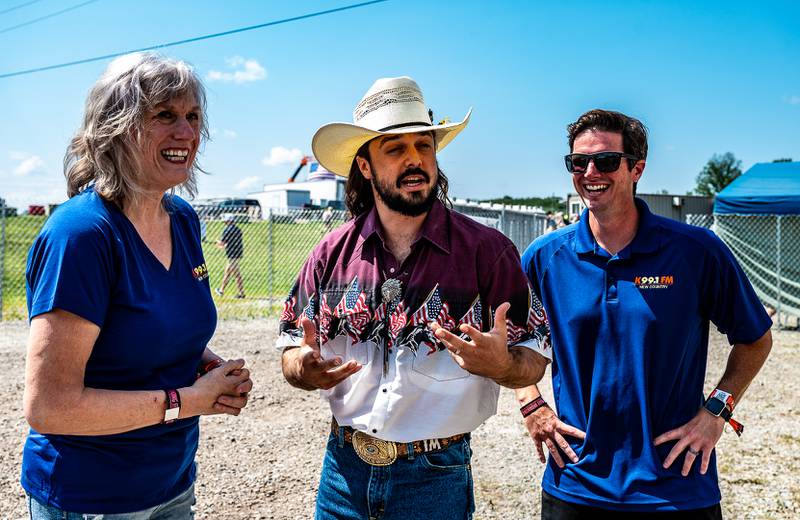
{"x": 384, "y": 390}
{"x": 391, "y": 269}
{"x": 374, "y": 430}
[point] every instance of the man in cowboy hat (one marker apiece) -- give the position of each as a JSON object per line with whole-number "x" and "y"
{"x": 401, "y": 316}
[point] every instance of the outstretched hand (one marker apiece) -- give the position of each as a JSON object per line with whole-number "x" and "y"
{"x": 304, "y": 367}
{"x": 486, "y": 354}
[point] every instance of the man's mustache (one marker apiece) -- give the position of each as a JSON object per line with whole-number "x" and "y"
{"x": 413, "y": 171}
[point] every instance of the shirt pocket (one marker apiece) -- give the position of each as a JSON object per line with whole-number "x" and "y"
{"x": 345, "y": 348}
{"x": 438, "y": 365}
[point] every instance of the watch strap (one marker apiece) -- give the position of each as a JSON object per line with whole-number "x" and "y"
{"x": 727, "y": 410}
{"x": 723, "y": 396}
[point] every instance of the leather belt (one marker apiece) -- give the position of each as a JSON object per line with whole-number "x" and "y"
{"x": 378, "y": 452}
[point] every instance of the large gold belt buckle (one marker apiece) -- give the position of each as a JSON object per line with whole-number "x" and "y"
{"x": 376, "y": 452}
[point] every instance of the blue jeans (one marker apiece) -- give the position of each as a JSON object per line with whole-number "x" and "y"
{"x": 423, "y": 487}
{"x": 179, "y": 508}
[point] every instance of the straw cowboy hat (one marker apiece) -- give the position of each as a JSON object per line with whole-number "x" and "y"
{"x": 390, "y": 106}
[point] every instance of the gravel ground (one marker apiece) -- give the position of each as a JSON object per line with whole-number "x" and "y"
{"x": 266, "y": 463}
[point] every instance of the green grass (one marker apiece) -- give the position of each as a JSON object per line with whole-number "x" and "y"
{"x": 20, "y": 232}
{"x": 268, "y": 278}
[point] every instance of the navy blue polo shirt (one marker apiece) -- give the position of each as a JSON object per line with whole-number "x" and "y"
{"x": 154, "y": 325}
{"x": 630, "y": 344}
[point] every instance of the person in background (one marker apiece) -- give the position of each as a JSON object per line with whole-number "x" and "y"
{"x": 549, "y": 222}
{"x": 327, "y": 219}
{"x": 118, "y": 369}
{"x": 231, "y": 241}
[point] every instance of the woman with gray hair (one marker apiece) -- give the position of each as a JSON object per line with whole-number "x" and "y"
{"x": 118, "y": 370}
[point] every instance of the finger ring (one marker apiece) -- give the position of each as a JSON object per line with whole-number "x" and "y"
{"x": 693, "y": 451}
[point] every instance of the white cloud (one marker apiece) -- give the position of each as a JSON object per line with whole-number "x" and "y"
{"x": 279, "y": 155}
{"x": 246, "y": 70}
{"x": 247, "y": 183}
{"x": 45, "y": 191}
{"x": 28, "y": 164}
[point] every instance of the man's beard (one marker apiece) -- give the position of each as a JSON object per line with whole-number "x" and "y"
{"x": 412, "y": 205}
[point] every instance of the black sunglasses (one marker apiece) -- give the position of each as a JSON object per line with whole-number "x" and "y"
{"x": 605, "y": 162}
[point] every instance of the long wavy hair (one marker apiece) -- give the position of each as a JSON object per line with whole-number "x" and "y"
{"x": 358, "y": 196}
{"x": 104, "y": 151}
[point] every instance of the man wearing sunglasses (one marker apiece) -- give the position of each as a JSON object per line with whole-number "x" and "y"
{"x": 630, "y": 296}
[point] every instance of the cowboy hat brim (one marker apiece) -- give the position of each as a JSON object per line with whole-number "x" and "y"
{"x": 335, "y": 144}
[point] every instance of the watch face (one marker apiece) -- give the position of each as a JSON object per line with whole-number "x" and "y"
{"x": 715, "y": 406}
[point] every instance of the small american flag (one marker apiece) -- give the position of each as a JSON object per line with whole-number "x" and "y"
{"x": 288, "y": 309}
{"x": 349, "y": 300}
{"x": 536, "y": 313}
{"x": 358, "y": 319}
{"x": 514, "y": 332}
{"x": 473, "y": 315}
{"x": 398, "y": 320}
{"x": 380, "y": 312}
{"x": 309, "y": 310}
{"x": 430, "y": 308}
{"x": 444, "y": 319}
{"x": 325, "y": 317}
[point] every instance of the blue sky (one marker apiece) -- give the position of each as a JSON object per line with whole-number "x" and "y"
{"x": 705, "y": 77}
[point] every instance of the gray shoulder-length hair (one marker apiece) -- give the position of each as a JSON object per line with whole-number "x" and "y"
{"x": 104, "y": 150}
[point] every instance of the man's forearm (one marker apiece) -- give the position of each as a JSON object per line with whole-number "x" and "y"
{"x": 744, "y": 362}
{"x": 527, "y": 394}
{"x": 527, "y": 368}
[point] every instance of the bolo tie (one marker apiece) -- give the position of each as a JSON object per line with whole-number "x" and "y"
{"x": 391, "y": 291}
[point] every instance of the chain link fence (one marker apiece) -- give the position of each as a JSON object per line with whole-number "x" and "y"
{"x": 274, "y": 243}
{"x": 768, "y": 249}
{"x": 518, "y": 223}
{"x": 705, "y": 221}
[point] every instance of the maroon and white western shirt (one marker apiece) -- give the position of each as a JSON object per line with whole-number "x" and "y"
{"x": 458, "y": 271}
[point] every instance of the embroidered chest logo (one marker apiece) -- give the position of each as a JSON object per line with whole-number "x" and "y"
{"x": 200, "y": 272}
{"x": 664, "y": 281}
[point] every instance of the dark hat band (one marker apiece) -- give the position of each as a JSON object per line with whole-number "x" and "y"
{"x": 402, "y": 125}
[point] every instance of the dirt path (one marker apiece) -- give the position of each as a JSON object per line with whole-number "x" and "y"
{"x": 265, "y": 463}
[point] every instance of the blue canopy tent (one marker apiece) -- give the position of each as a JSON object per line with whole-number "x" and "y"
{"x": 758, "y": 216}
{"x": 764, "y": 189}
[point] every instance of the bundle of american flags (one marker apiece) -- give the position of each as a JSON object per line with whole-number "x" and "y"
{"x": 353, "y": 312}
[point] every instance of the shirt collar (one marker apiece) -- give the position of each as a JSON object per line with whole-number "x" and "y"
{"x": 434, "y": 229}
{"x": 647, "y": 239}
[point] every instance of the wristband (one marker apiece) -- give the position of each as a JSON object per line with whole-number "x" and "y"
{"x": 173, "y": 406}
{"x": 720, "y": 404}
{"x": 211, "y": 365}
{"x": 532, "y": 406}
